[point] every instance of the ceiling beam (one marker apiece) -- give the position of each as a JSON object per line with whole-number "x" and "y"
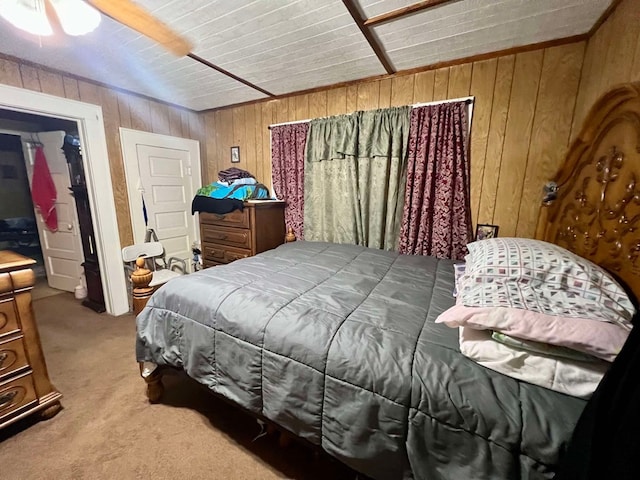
{"x": 358, "y": 17}
{"x": 434, "y": 66}
{"x": 229, "y": 74}
{"x": 404, "y": 11}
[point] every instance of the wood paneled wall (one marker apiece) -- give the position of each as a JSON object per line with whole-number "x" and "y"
{"x": 520, "y": 133}
{"x": 612, "y": 57}
{"x": 119, "y": 110}
{"x": 528, "y": 106}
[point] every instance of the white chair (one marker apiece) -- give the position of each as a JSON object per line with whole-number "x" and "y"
{"x": 152, "y": 251}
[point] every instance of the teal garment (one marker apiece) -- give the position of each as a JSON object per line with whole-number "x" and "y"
{"x": 238, "y": 192}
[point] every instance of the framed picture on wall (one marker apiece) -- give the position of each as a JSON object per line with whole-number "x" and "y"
{"x": 235, "y": 154}
{"x": 484, "y": 231}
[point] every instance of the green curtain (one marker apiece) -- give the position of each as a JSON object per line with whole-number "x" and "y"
{"x": 355, "y": 174}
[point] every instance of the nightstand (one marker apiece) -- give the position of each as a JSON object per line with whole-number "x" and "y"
{"x": 25, "y": 387}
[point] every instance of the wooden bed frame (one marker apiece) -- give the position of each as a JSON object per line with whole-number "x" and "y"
{"x": 591, "y": 207}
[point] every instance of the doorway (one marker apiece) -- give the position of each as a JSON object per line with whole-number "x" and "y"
{"x": 91, "y": 132}
{"x": 163, "y": 175}
{"x": 58, "y": 253}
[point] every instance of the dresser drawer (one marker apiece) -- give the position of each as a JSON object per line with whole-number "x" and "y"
{"x": 236, "y": 237}
{"x": 8, "y": 317}
{"x": 208, "y": 263}
{"x": 223, "y": 254}
{"x": 15, "y": 394}
{"x": 12, "y": 356}
{"x": 237, "y": 218}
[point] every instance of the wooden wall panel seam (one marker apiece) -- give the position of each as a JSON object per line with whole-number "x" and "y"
{"x": 635, "y": 67}
{"x": 575, "y": 100}
{"x": 610, "y": 42}
{"x": 503, "y": 135}
{"x": 556, "y": 100}
{"x": 486, "y": 146}
{"x": 10, "y": 73}
{"x": 526, "y": 78}
{"x": 533, "y": 122}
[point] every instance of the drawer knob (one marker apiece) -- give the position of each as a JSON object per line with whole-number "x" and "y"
{"x": 3, "y": 358}
{"x": 220, "y": 236}
{"x": 6, "y": 398}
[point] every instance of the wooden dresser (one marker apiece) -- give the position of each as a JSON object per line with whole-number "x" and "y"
{"x": 239, "y": 234}
{"x": 25, "y": 387}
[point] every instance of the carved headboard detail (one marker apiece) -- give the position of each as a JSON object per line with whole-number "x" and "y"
{"x": 596, "y": 210}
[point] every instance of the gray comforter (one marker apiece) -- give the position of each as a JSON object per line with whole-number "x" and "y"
{"x": 338, "y": 344}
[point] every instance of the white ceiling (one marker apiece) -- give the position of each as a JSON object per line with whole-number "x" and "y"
{"x": 283, "y": 46}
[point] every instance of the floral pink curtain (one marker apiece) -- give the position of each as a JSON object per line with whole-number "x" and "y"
{"x": 287, "y": 171}
{"x": 436, "y": 218}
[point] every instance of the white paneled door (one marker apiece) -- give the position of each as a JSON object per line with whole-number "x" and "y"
{"x": 62, "y": 250}
{"x": 163, "y": 174}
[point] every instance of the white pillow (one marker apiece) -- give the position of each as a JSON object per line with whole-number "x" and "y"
{"x": 542, "y": 277}
{"x": 570, "y": 377}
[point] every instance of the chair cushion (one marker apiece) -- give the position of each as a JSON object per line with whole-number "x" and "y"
{"x": 161, "y": 277}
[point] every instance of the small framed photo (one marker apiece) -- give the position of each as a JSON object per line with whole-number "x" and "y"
{"x": 484, "y": 231}
{"x": 235, "y": 154}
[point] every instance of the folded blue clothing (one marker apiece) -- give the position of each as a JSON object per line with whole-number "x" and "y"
{"x": 238, "y": 192}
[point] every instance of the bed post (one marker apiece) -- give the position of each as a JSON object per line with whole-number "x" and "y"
{"x": 152, "y": 375}
{"x": 290, "y": 236}
{"x": 142, "y": 292}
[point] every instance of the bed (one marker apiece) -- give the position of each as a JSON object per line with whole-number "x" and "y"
{"x": 338, "y": 344}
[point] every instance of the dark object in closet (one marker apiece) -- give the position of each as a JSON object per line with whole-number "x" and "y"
{"x": 95, "y": 295}
{"x": 605, "y": 442}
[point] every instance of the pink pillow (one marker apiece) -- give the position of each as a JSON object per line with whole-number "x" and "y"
{"x": 600, "y": 339}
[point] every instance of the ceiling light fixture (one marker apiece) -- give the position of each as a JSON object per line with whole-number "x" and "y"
{"x": 35, "y": 16}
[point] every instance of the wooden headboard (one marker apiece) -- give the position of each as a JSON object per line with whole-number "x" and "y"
{"x": 593, "y": 203}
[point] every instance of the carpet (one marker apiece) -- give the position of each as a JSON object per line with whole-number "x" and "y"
{"x": 42, "y": 289}
{"x": 108, "y": 430}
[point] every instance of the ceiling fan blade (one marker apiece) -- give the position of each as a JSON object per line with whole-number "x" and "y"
{"x": 138, "y": 19}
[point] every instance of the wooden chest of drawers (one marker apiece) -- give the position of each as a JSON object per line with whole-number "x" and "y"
{"x": 241, "y": 233}
{"x": 24, "y": 382}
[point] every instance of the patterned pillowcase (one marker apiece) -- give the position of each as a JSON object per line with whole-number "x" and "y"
{"x": 542, "y": 277}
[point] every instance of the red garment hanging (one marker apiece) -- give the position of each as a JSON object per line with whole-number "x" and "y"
{"x": 43, "y": 191}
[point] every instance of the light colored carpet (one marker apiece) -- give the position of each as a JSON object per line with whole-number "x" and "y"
{"x": 108, "y": 430}
{"x": 41, "y": 289}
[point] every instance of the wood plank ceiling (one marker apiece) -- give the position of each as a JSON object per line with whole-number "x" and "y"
{"x": 246, "y": 50}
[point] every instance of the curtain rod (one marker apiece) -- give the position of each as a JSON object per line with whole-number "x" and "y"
{"x": 290, "y": 123}
{"x": 466, "y": 100}
{"x": 426, "y": 104}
